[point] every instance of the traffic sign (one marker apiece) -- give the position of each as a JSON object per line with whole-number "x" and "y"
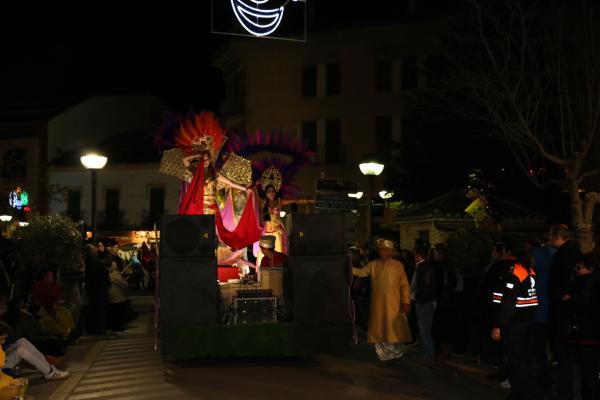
{"x": 335, "y": 202}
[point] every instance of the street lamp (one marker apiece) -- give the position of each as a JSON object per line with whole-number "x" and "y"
{"x": 385, "y": 195}
{"x": 94, "y": 162}
{"x": 371, "y": 167}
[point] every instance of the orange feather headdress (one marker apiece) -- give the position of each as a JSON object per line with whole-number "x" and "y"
{"x": 201, "y": 132}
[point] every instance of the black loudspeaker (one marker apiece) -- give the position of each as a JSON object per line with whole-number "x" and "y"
{"x": 320, "y": 288}
{"x": 187, "y": 236}
{"x": 188, "y": 291}
{"x": 318, "y": 234}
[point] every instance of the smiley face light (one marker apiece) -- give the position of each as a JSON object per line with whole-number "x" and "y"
{"x": 257, "y": 17}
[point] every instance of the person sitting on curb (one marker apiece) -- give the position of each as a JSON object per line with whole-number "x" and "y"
{"x": 22, "y": 349}
{"x": 9, "y": 387}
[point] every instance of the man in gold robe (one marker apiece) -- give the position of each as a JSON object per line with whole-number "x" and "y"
{"x": 390, "y": 303}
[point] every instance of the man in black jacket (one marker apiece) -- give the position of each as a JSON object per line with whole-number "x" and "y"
{"x": 423, "y": 289}
{"x": 567, "y": 256}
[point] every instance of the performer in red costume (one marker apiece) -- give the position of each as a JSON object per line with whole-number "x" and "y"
{"x": 198, "y": 142}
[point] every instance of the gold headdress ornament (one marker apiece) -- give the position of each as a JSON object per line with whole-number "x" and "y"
{"x": 385, "y": 243}
{"x": 271, "y": 176}
{"x": 202, "y": 132}
{"x": 196, "y": 134}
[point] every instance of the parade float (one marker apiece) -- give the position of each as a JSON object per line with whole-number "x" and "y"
{"x": 237, "y": 275}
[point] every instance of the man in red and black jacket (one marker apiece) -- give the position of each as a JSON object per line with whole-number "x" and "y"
{"x": 515, "y": 301}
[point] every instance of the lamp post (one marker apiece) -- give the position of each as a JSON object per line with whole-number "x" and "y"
{"x": 94, "y": 162}
{"x": 370, "y": 167}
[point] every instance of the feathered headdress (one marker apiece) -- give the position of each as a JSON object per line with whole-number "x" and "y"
{"x": 288, "y": 155}
{"x": 202, "y": 132}
{"x": 192, "y": 133}
{"x": 185, "y": 135}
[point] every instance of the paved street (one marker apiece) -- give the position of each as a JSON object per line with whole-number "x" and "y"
{"x": 128, "y": 368}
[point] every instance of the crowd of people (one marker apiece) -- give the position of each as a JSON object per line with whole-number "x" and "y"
{"x": 40, "y": 322}
{"x": 532, "y": 311}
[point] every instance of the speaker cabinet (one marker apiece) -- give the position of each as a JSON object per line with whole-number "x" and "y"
{"x": 187, "y": 236}
{"x": 321, "y": 288}
{"x": 188, "y": 291}
{"x": 319, "y": 234}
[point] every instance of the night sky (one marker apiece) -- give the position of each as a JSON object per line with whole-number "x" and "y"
{"x": 45, "y": 68}
{"x": 58, "y": 60}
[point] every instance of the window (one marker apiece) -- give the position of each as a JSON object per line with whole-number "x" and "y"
{"x": 111, "y": 207}
{"x": 333, "y": 141}
{"x": 410, "y": 74}
{"x": 74, "y": 204}
{"x": 309, "y": 80}
{"x": 424, "y": 238}
{"x": 157, "y": 203}
{"x": 309, "y": 134}
{"x": 333, "y": 79}
{"x": 383, "y": 136}
{"x": 383, "y": 75}
{"x": 14, "y": 163}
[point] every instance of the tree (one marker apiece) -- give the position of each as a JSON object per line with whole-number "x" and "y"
{"x": 469, "y": 250}
{"x": 533, "y": 76}
{"x": 50, "y": 239}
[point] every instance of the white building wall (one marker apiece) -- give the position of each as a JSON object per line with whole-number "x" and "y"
{"x": 100, "y": 117}
{"x": 133, "y": 181}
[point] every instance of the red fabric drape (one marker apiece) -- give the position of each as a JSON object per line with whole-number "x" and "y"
{"x": 246, "y": 232}
{"x": 193, "y": 200}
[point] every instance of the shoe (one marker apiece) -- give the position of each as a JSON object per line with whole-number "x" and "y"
{"x": 56, "y": 374}
{"x": 505, "y": 384}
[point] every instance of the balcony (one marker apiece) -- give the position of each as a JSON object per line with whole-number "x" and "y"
{"x": 111, "y": 220}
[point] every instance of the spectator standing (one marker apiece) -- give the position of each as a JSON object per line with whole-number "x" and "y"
{"x": 581, "y": 329}
{"x": 516, "y": 300}
{"x": 97, "y": 282}
{"x": 423, "y": 290}
{"x": 566, "y": 259}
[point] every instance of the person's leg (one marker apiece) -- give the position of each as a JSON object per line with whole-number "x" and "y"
{"x": 425, "y": 320}
{"x": 587, "y": 365}
{"x": 565, "y": 356}
{"x": 520, "y": 375}
{"x": 22, "y": 349}
{"x": 539, "y": 335}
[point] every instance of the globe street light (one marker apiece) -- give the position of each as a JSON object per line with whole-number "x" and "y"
{"x": 371, "y": 167}
{"x": 94, "y": 162}
{"x": 356, "y": 195}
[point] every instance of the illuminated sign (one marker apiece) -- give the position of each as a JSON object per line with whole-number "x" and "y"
{"x": 257, "y": 21}
{"x": 18, "y": 199}
{"x": 275, "y": 19}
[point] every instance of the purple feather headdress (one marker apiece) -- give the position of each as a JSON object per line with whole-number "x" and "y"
{"x": 288, "y": 155}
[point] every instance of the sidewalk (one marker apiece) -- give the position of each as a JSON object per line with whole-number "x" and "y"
{"x": 124, "y": 367}
{"x": 464, "y": 365}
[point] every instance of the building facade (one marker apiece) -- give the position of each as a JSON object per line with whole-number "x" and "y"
{"x": 131, "y": 194}
{"x": 23, "y": 160}
{"x": 343, "y": 92}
